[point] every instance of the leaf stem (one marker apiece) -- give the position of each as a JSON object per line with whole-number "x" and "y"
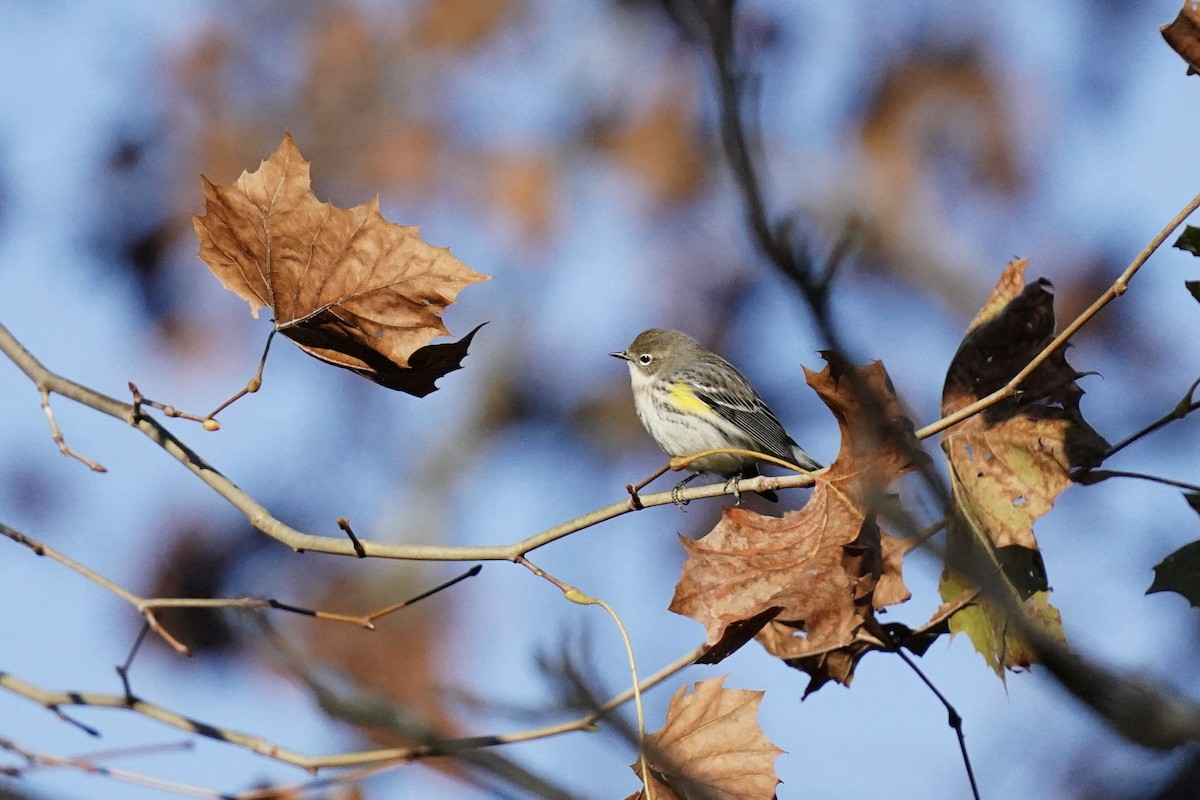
{"x": 955, "y": 719}
{"x": 1184, "y": 407}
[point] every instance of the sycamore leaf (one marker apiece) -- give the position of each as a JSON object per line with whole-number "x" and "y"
{"x": 1179, "y": 573}
{"x": 1189, "y": 240}
{"x": 1183, "y": 35}
{"x": 1010, "y": 463}
{"x": 992, "y": 632}
{"x": 346, "y": 285}
{"x": 812, "y": 577}
{"x": 711, "y": 747}
{"x": 737, "y": 634}
{"x": 825, "y": 663}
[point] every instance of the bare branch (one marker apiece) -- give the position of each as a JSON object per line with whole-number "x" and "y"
{"x": 90, "y": 765}
{"x": 1184, "y": 407}
{"x": 146, "y": 606}
{"x": 61, "y": 441}
{"x": 262, "y": 520}
{"x": 360, "y": 709}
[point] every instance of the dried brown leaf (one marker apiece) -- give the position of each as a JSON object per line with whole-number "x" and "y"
{"x": 711, "y": 747}
{"x": 346, "y": 285}
{"x": 460, "y": 24}
{"x": 398, "y": 662}
{"x": 899, "y": 203}
{"x": 1014, "y": 459}
{"x": 663, "y": 149}
{"x": 750, "y": 562}
{"x": 522, "y": 188}
{"x": 736, "y": 634}
{"x": 196, "y": 562}
{"x": 1183, "y": 35}
{"x": 658, "y": 789}
{"x": 1010, "y": 463}
{"x": 826, "y": 567}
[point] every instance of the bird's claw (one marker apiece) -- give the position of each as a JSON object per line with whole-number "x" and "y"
{"x": 731, "y": 485}
{"x": 676, "y": 499}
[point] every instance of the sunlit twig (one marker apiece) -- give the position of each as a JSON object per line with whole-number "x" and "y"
{"x": 61, "y": 441}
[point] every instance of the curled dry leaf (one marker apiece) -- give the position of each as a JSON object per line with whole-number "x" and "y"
{"x": 346, "y": 285}
{"x": 1189, "y": 240}
{"x": 1180, "y": 571}
{"x": 1183, "y": 35}
{"x": 711, "y": 747}
{"x": 1009, "y": 463}
{"x": 825, "y": 568}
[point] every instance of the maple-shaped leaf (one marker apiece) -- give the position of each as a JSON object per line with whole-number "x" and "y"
{"x": 825, "y": 568}
{"x": 1009, "y": 463}
{"x": 1183, "y": 35}
{"x": 1193, "y": 288}
{"x": 711, "y": 747}
{"x": 1189, "y": 240}
{"x": 346, "y": 285}
{"x": 1180, "y": 571}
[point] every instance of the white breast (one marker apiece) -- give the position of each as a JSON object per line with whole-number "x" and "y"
{"x": 680, "y": 435}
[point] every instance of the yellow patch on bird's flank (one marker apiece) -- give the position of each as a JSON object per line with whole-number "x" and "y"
{"x": 685, "y": 399}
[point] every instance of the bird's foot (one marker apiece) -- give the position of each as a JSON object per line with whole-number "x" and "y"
{"x": 676, "y": 499}
{"x": 731, "y": 485}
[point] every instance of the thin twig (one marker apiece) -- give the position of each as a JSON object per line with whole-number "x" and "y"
{"x": 61, "y": 441}
{"x": 1182, "y": 409}
{"x": 471, "y": 573}
{"x": 42, "y": 549}
{"x": 262, "y": 520}
{"x": 252, "y": 386}
{"x": 948, "y": 610}
{"x": 634, "y": 488}
{"x": 89, "y": 765}
{"x": 58, "y": 712}
{"x": 932, "y": 530}
{"x": 167, "y": 409}
{"x": 54, "y": 700}
{"x": 146, "y": 606}
{"x": 344, "y": 524}
{"x": 954, "y": 719}
{"x": 123, "y": 669}
{"x": 1096, "y": 475}
{"x": 1114, "y": 291}
{"x": 573, "y": 594}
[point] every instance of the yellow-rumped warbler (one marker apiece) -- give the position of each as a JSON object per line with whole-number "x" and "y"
{"x": 691, "y": 400}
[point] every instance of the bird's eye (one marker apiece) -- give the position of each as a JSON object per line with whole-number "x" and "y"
{"x": 645, "y": 358}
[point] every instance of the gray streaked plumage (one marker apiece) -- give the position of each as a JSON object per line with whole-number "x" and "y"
{"x": 691, "y": 400}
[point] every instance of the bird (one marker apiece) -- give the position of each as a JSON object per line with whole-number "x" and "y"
{"x": 690, "y": 400}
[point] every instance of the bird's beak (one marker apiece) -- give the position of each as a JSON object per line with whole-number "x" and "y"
{"x": 621, "y": 356}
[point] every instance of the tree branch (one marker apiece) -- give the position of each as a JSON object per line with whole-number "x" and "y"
{"x": 352, "y": 709}
{"x": 262, "y": 520}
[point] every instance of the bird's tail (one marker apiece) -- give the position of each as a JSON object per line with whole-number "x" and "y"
{"x": 804, "y": 460}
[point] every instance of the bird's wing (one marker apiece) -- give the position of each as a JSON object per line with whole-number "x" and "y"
{"x": 741, "y": 406}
